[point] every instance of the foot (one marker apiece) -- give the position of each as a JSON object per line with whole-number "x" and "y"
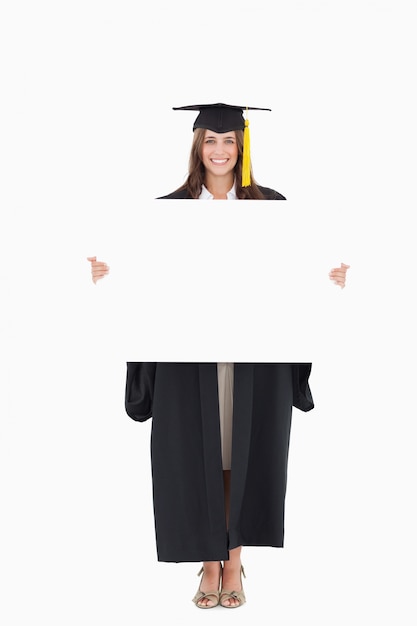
{"x": 232, "y": 582}
{"x": 210, "y": 583}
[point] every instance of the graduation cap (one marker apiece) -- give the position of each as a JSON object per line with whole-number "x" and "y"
{"x": 222, "y": 118}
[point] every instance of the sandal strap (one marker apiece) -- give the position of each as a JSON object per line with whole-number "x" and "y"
{"x": 210, "y": 595}
{"x": 205, "y": 594}
{"x": 235, "y": 595}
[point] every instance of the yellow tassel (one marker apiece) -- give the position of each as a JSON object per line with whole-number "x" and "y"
{"x": 246, "y": 156}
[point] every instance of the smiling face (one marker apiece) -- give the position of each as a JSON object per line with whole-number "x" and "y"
{"x": 219, "y": 152}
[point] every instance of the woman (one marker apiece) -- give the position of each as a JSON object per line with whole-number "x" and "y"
{"x": 220, "y": 432}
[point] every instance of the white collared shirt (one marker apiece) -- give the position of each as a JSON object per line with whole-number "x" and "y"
{"x": 206, "y": 195}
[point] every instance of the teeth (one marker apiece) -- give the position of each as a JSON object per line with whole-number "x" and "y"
{"x": 219, "y": 160}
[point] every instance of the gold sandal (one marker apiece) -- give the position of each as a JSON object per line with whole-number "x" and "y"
{"x": 233, "y": 595}
{"x": 213, "y": 596}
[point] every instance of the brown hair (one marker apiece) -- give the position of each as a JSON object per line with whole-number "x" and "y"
{"x": 196, "y": 170}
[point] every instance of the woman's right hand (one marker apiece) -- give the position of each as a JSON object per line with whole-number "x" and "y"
{"x": 98, "y": 268}
{"x": 338, "y": 275}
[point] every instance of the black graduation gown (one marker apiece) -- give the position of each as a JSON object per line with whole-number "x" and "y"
{"x": 182, "y": 399}
{"x": 182, "y": 194}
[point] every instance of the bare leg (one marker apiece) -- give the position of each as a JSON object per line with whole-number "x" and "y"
{"x": 210, "y": 580}
{"x": 232, "y": 567}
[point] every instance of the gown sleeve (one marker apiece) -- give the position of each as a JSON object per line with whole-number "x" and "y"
{"x": 140, "y": 379}
{"x": 302, "y": 397}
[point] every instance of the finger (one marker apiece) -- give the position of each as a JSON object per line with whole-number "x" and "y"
{"x": 100, "y": 273}
{"x": 91, "y": 258}
{"x": 343, "y": 268}
{"x": 99, "y": 265}
{"x": 97, "y": 276}
{"x": 339, "y": 284}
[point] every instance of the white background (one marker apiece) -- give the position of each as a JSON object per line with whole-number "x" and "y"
{"x": 87, "y": 129}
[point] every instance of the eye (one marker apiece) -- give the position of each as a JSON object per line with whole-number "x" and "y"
{"x": 229, "y": 141}
{"x": 209, "y": 141}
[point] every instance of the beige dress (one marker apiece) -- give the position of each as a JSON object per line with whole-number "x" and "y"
{"x": 225, "y": 373}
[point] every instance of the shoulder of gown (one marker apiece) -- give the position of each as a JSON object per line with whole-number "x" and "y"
{"x": 179, "y": 194}
{"x": 271, "y": 194}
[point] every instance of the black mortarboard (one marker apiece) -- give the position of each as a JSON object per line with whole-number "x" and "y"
{"x": 222, "y": 118}
{"x": 219, "y": 117}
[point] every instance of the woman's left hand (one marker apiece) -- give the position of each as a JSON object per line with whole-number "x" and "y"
{"x": 338, "y": 275}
